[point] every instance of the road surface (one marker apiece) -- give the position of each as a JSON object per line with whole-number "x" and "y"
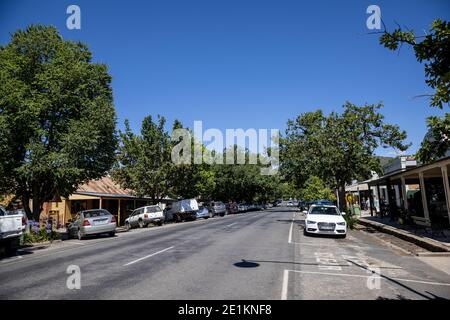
{"x": 257, "y": 255}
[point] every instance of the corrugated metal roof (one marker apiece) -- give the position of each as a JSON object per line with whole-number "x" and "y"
{"x": 105, "y": 186}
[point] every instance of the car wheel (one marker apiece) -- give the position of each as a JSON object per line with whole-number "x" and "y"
{"x": 127, "y": 226}
{"x": 160, "y": 223}
{"x": 112, "y": 234}
{"x": 79, "y": 235}
{"x": 343, "y": 236}
{"x": 11, "y": 246}
{"x": 305, "y": 232}
{"x": 141, "y": 224}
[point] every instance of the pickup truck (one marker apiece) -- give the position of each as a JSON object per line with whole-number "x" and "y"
{"x": 11, "y": 228}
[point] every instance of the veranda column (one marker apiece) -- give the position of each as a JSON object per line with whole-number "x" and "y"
{"x": 446, "y": 188}
{"x": 424, "y": 196}
{"x": 404, "y": 195}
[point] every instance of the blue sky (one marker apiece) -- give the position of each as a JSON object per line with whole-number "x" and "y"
{"x": 247, "y": 63}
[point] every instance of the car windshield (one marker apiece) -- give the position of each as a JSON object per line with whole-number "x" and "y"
{"x": 325, "y": 210}
{"x": 95, "y": 213}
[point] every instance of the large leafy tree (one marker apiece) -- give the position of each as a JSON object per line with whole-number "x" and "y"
{"x": 432, "y": 49}
{"x": 190, "y": 180}
{"x": 314, "y": 189}
{"x": 337, "y": 148}
{"x": 57, "y": 119}
{"x": 144, "y": 161}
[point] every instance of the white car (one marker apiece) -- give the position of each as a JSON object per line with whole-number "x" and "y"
{"x": 142, "y": 217}
{"x": 325, "y": 219}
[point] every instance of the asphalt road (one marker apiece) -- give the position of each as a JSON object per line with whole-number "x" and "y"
{"x": 258, "y": 255}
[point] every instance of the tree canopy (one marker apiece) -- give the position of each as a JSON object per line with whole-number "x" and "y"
{"x": 432, "y": 49}
{"x": 337, "y": 148}
{"x": 57, "y": 119}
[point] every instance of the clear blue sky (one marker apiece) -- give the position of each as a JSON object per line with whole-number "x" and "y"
{"x": 247, "y": 63}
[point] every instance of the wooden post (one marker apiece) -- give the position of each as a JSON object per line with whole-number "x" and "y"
{"x": 446, "y": 188}
{"x": 118, "y": 215}
{"x": 424, "y": 196}
{"x": 101, "y": 203}
{"x": 371, "y": 204}
{"x": 404, "y": 195}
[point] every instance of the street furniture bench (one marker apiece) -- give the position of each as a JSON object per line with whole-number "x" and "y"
{"x": 427, "y": 225}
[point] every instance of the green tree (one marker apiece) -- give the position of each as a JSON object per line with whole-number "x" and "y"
{"x": 432, "y": 49}
{"x": 144, "y": 161}
{"x": 57, "y": 119}
{"x": 337, "y": 148}
{"x": 315, "y": 189}
{"x": 190, "y": 180}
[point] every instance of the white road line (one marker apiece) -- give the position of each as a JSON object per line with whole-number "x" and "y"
{"x": 149, "y": 256}
{"x": 291, "y": 229}
{"x": 231, "y": 225}
{"x": 326, "y": 245}
{"x": 363, "y": 276}
{"x": 284, "y": 288}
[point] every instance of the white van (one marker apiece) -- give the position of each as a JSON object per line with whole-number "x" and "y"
{"x": 182, "y": 210}
{"x": 142, "y": 217}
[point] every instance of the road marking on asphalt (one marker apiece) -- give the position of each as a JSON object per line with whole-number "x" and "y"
{"x": 327, "y": 245}
{"x": 291, "y": 229}
{"x": 364, "y": 276}
{"x": 326, "y": 261}
{"x": 231, "y": 224}
{"x": 284, "y": 288}
{"x": 146, "y": 257}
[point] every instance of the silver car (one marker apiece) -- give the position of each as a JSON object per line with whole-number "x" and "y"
{"x": 92, "y": 222}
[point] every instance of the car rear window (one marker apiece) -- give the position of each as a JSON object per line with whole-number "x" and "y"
{"x": 324, "y": 210}
{"x": 153, "y": 209}
{"x": 96, "y": 213}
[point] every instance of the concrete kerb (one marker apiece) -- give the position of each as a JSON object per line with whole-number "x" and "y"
{"x": 429, "y": 244}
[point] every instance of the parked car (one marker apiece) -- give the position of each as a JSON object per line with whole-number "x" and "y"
{"x": 203, "y": 212}
{"x": 217, "y": 208}
{"x": 242, "y": 207}
{"x": 182, "y": 210}
{"x": 11, "y": 228}
{"x": 324, "y": 202}
{"x": 325, "y": 219}
{"x": 142, "y": 217}
{"x": 92, "y": 222}
{"x": 232, "y": 208}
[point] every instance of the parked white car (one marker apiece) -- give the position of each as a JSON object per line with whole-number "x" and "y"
{"x": 325, "y": 219}
{"x": 11, "y": 228}
{"x": 142, "y": 217}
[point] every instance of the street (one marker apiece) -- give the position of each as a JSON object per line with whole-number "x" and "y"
{"x": 259, "y": 255}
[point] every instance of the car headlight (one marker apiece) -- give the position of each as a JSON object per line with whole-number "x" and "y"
{"x": 310, "y": 222}
{"x": 341, "y": 223}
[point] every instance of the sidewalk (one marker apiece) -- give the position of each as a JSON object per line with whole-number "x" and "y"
{"x": 432, "y": 242}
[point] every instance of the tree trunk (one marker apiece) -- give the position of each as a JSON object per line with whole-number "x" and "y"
{"x": 37, "y": 208}
{"x": 26, "y": 206}
{"x": 341, "y": 197}
{"x": 37, "y": 202}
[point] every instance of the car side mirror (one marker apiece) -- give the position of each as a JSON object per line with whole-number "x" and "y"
{"x": 304, "y": 212}
{"x": 343, "y": 213}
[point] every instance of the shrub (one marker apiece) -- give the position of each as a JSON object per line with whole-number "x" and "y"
{"x": 351, "y": 221}
{"x": 40, "y": 235}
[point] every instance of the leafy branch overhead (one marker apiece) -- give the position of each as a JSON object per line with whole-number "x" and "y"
{"x": 432, "y": 49}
